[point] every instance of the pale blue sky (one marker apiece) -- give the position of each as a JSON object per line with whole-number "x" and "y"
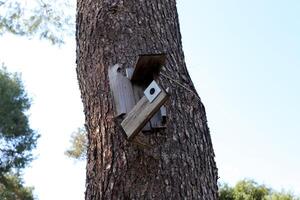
{"x": 243, "y": 57}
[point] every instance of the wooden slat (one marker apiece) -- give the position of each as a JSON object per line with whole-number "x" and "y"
{"x": 138, "y": 94}
{"x": 122, "y": 91}
{"x": 142, "y": 113}
{"x": 158, "y": 120}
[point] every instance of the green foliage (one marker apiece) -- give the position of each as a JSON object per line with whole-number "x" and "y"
{"x": 250, "y": 190}
{"x": 47, "y": 19}
{"x": 283, "y": 196}
{"x": 17, "y": 139}
{"x": 78, "y": 147}
{"x": 11, "y": 188}
{"x": 226, "y": 192}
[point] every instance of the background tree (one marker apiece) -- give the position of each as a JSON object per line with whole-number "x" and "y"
{"x": 180, "y": 162}
{"x": 79, "y": 144}
{"x": 250, "y": 190}
{"x": 17, "y": 139}
{"x": 11, "y": 188}
{"x": 52, "y": 20}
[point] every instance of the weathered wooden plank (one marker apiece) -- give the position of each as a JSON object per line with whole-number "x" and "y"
{"x": 155, "y": 121}
{"x": 142, "y": 113}
{"x": 121, "y": 88}
{"x": 163, "y": 113}
{"x": 159, "y": 119}
{"x": 147, "y": 66}
{"x": 138, "y": 94}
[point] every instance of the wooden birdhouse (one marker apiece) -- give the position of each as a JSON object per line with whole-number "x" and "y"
{"x": 138, "y": 97}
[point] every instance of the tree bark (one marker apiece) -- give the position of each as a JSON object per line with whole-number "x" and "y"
{"x": 179, "y": 164}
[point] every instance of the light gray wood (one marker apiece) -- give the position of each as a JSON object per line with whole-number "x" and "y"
{"x": 141, "y": 114}
{"x": 129, "y": 72}
{"x": 163, "y": 113}
{"x": 122, "y": 91}
{"x": 156, "y": 120}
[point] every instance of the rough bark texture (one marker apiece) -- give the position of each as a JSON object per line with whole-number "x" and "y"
{"x": 180, "y": 162}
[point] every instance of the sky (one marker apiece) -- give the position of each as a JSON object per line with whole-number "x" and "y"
{"x": 243, "y": 57}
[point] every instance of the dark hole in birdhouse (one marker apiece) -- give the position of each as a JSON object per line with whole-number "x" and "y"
{"x": 119, "y": 69}
{"x": 152, "y": 91}
{"x": 147, "y": 68}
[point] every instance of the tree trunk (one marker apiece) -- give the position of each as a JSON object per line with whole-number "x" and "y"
{"x": 179, "y": 164}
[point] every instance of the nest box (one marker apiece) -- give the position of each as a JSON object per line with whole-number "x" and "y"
{"x": 137, "y": 95}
